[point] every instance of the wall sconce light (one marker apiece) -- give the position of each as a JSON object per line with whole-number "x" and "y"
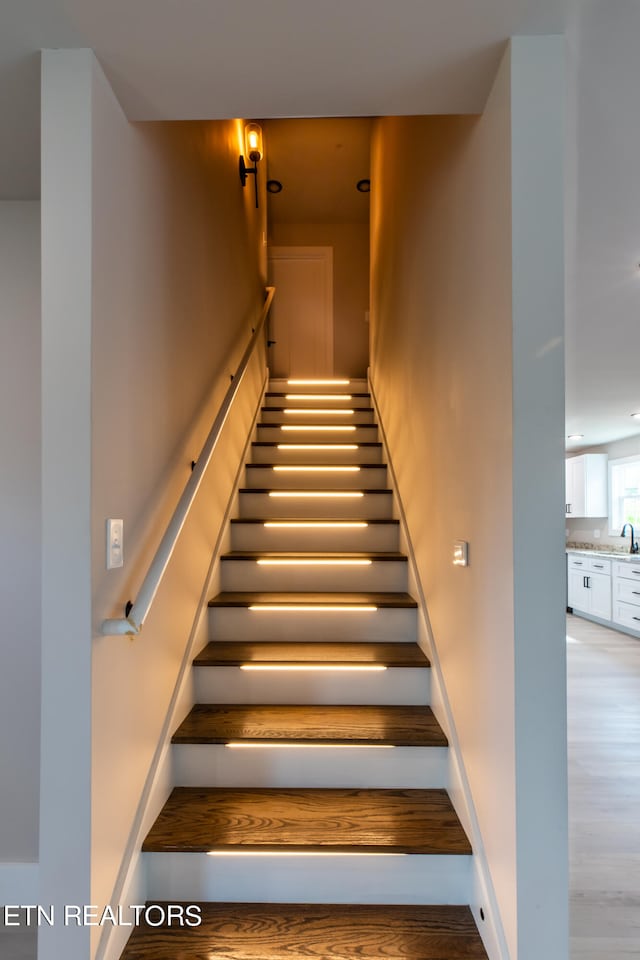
{"x": 253, "y": 150}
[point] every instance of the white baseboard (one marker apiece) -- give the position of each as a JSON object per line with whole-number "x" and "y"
{"x": 18, "y": 883}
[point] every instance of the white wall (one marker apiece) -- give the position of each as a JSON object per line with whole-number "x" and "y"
{"x": 174, "y": 277}
{"x": 65, "y": 767}
{"x": 20, "y": 533}
{"x": 466, "y": 342}
{"x": 537, "y": 150}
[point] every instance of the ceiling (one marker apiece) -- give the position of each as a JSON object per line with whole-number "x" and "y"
{"x": 207, "y": 59}
{"x": 319, "y": 163}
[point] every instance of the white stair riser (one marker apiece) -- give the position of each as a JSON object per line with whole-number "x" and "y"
{"x": 266, "y": 477}
{"x": 214, "y": 765}
{"x": 330, "y": 414}
{"x": 255, "y": 536}
{"x": 384, "y": 624}
{"x": 385, "y": 575}
{"x": 396, "y": 686}
{"x": 278, "y": 435}
{"x": 293, "y": 400}
{"x": 271, "y": 454}
{"x": 193, "y": 877}
{"x": 281, "y": 385}
{"x": 377, "y": 506}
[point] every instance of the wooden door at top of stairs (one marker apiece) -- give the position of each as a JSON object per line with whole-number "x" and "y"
{"x": 302, "y": 315}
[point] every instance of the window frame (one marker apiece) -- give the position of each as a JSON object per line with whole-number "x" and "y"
{"x": 617, "y": 462}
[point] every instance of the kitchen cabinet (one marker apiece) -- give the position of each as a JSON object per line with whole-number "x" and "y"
{"x": 589, "y": 585}
{"x": 586, "y": 485}
{"x": 606, "y": 589}
{"x": 626, "y": 595}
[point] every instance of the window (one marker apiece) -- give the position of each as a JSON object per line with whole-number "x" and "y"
{"x": 624, "y": 493}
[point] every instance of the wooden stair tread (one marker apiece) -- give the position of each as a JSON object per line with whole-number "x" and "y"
{"x": 198, "y": 819}
{"x": 319, "y": 442}
{"x": 375, "y": 491}
{"x": 391, "y": 725}
{"x": 276, "y": 443}
{"x": 246, "y": 599}
{"x": 280, "y": 931}
{"x": 313, "y": 555}
{"x": 233, "y": 653}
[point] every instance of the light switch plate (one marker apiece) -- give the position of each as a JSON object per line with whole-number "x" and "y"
{"x": 460, "y": 553}
{"x": 115, "y": 544}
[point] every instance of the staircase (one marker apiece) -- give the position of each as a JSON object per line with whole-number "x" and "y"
{"x": 311, "y": 817}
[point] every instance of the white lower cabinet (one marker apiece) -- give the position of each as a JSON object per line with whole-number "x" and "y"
{"x": 589, "y": 585}
{"x": 604, "y": 588}
{"x": 599, "y": 586}
{"x": 577, "y": 593}
{"x": 626, "y": 615}
{"x": 626, "y": 595}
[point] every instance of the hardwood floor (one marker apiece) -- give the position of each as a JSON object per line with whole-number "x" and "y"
{"x": 604, "y": 791}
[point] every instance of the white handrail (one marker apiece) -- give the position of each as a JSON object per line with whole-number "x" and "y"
{"x": 134, "y": 620}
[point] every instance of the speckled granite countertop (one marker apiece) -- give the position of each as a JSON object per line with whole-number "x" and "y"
{"x": 612, "y": 552}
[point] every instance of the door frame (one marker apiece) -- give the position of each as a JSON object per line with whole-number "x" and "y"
{"x": 324, "y": 254}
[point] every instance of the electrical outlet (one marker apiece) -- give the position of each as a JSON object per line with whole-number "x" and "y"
{"x": 596, "y": 534}
{"x": 115, "y": 544}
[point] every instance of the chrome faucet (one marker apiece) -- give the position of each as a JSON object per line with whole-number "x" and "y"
{"x": 634, "y": 546}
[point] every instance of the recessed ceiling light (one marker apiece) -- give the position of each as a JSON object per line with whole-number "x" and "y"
{"x": 576, "y": 436}
{"x": 636, "y": 416}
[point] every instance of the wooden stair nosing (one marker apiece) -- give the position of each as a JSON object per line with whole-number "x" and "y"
{"x": 249, "y": 598}
{"x": 275, "y": 931}
{"x": 400, "y": 821}
{"x": 353, "y": 395}
{"x": 397, "y": 726}
{"x": 336, "y": 653}
{"x": 276, "y": 443}
{"x": 375, "y": 491}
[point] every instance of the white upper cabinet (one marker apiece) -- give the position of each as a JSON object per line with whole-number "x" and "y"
{"x": 586, "y": 487}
